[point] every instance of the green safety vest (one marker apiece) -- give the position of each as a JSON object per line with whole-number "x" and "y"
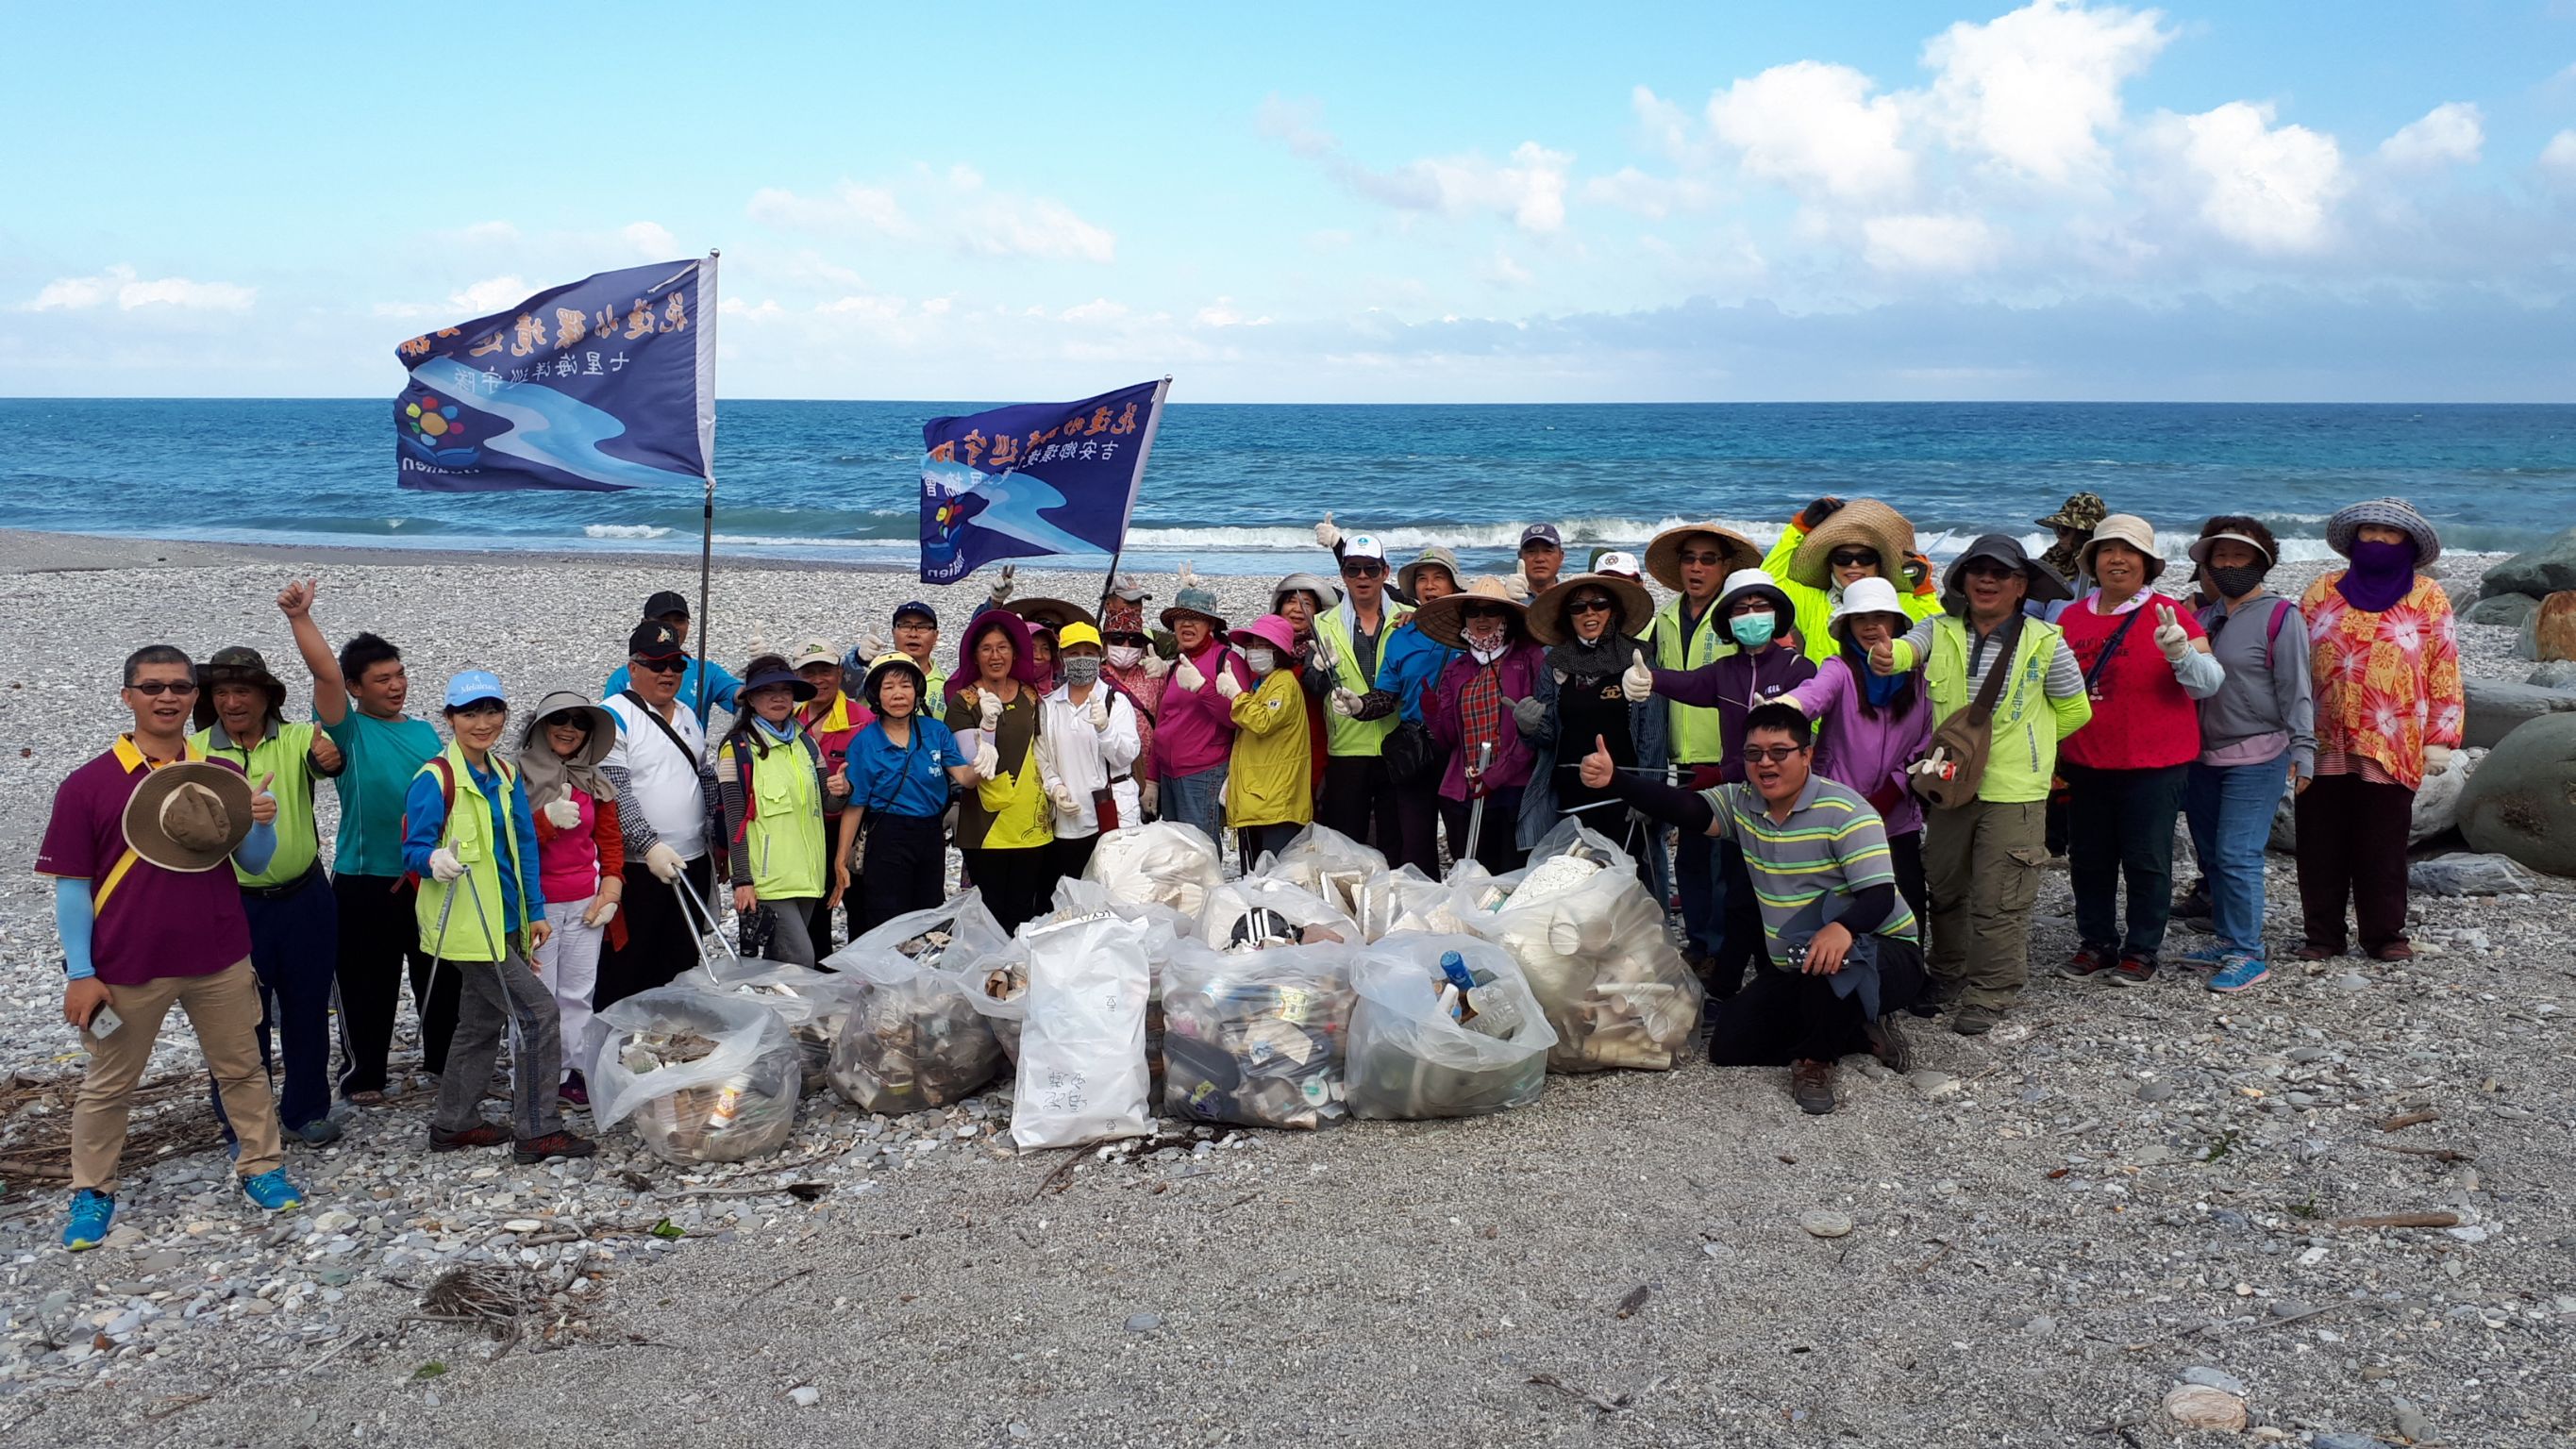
{"x": 1698, "y": 735}
{"x": 1343, "y": 736}
{"x": 2022, "y": 759}
{"x": 467, "y": 935}
{"x": 783, "y": 833}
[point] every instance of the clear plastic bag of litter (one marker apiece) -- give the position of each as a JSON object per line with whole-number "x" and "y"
{"x": 1257, "y": 1037}
{"x": 1404, "y": 899}
{"x": 1259, "y": 911}
{"x": 1444, "y": 1026}
{"x": 1082, "y": 1050}
{"x": 1163, "y": 862}
{"x": 1330, "y": 865}
{"x": 812, "y": 1003}
{"x": 959, "y": 924}
{"x": 1590, "y": 939}
{"x": 913, "y": 1037}
{"x": 705, "y": 1077}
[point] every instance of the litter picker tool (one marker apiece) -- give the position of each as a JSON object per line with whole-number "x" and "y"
{"x": 1476, "y": 811}
{"x": 698, "y": 911}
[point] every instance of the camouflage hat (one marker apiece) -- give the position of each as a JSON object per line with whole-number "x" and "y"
{"x": 2082, "y": 512}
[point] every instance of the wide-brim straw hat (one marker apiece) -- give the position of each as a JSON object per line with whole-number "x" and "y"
{"x": 1550, "y": 623}
{"x": 2127, "y": 528}
{"x": 190, "y": 816}
{"x": 1865, "y": 522}
{"x": 1663, "y": 552}
{"x": 1441, "y": 621}
{"x": 1052, "y": 614}
{"x": 2394, "y": 513}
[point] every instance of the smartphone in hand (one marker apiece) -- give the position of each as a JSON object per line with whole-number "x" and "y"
{"x": 104, "y": 1021}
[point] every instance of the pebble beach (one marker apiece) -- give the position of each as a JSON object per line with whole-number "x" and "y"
{"x": 2034, "y": 1237}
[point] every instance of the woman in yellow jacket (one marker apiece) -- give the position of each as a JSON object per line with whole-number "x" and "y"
{"x": 776, "y": 791}
{"x": 1270, "y": 784}
{"x": 1831, "y": 544}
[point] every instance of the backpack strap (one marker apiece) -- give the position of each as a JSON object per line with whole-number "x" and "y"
{"x": 2281, "y": 609}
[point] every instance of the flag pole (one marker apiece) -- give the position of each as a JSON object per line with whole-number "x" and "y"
{"x": 707, "y": 516}
{"x": 1144, "y": 450}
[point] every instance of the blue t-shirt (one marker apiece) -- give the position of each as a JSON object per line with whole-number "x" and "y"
{"x": 891, "y": 779}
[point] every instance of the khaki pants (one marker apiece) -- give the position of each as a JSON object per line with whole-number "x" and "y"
{"x": 223, "y": 1009}
{"x": 1981, "y": 865}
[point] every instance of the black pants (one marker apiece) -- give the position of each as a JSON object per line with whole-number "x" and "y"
{"x": 2352, "y": 848}
{"x": 1498, "y": 849}
{"x": 1417, "y": 826}
{"x": 1255, "y": 841}
{"x": 1786, "y": 1016}
{"x": 904, "y": 869}
{"x": 1741, "y": 949}
{"x": 2120, "y": 827}
{"x": 661, "y": 933}
{"x": 379, "y": 937}
{"x": 1359, "y": 802}
{"x": 1072, "y": 858}
{"x": 294, "y": 950}
{"x": 1018, "y": 884}
{"x": 1905, "y": 855}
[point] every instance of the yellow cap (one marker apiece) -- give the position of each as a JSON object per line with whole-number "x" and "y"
{"x": 1077, "y": 632}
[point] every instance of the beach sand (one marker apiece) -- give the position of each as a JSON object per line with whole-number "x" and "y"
{"x": 2050, "y": 1223}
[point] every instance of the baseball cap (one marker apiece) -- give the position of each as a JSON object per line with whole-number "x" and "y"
{"x": 1541, "y": 533}
{"x": 664, "y": 604}
{"x": 652, "y": 639}
{"x": 813, "y": 651}
{"x": 916, "y": 606}
{"x": 1363, "y": 545}
{"x": 1620, "y": 562}
{"x": 470, "y": 685}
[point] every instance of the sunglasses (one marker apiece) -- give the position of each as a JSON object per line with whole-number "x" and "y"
{"x": 1589, "y": 606}
{"x": 1362, "y": 570}
{"x": 1485, "y": 611}
{"x": 155, "y": 688}
{"x": 661, "y": 666}
{"x": 1690, "y": 557}
{"x": 1758, "y": 755}
{"x": 1851, "y": 558}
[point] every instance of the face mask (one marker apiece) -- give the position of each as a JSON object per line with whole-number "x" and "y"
{"x": 1261, "y": 661}
{"x": 1081, "y": 668}
{"x": 1126, "y": 656}
{"x": 2236, "y": 582}
{"x": 1752, "y": 630}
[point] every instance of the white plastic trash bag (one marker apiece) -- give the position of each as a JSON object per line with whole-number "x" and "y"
{"x": 912, "y": 1038}
{"x": 1256, "y": 1037}
{"x": 1410, "y": 1058}
{"x": 1591, "y": 942}
{"x": 1164, "y": 862}
{"x": 811, "y": 1003}
{"x": 1330, "y": 865}
{"x": 1082, "y": 1049}
{"x": 707, "y": 1078}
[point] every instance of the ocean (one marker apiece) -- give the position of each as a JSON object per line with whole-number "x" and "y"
{"x": 1237, "y": 488}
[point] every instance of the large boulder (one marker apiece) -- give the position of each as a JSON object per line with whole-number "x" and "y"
{"x": 2497, "y": 708}
{"x": 2539, "y": 572}
{"x": 2505, "y": 610}
{"x": 2550, "y": 632}
{"x": 2522, "y": 800}
{"x": 2558, "y": 674}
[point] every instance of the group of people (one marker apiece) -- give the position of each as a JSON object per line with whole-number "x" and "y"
{"x": 1863, "y": 772}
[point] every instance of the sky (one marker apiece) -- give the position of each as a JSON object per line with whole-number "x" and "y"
{"x": 1329, "y": 203}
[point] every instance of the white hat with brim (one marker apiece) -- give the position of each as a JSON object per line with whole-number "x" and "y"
{"x": 2122, "y": 528}
{"x": 1863, "y": 597}
{"x": 1759, "y": 584}
{"x": 189, "y": 816}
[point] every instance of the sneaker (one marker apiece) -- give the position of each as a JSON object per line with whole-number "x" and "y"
{"x": 2238, "y": 972}
{"x": 2397, "y": 950}
{"x": 553, "y": 1144}
{"x": 574, "y": 1090}
{"x": 2085, "y": 962}
{"x": 2206, "y": 958}
{"x": 320, "y": 1132}
{"x": 1974, "y": 1020}
{"x": 1811, "y": 1083}
{"x": 1887, "y": 1043}
{"x": 481, "y": 1134}
{"x": 2133, "y": 971}
{"x": 2311, "y": 951}
{"x": 86, "y": 1227}
{"x": 272, "y": 1191}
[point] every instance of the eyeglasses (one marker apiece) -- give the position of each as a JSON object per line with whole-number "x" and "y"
{"x": 1843, "y": 558}
{"x": 155, "y": 688}
{"x": 1589, "y": 606}
{"x": 1363, "y": 570}
{"x": 661, "y": 666}
{"x": 1758, "y": 755}
{"x": 1690, "y": 557}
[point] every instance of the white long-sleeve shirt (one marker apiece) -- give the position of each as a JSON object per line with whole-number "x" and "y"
{"x": 1082, "y": 757}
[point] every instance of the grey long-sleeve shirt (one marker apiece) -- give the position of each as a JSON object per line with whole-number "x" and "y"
{"x": 2267, "y": 688}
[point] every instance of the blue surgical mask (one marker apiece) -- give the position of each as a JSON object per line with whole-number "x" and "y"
{"x": 1752, "y": 630}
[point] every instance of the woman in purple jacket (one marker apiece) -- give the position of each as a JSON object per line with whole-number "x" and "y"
{"x": 1470, "y": 714}
{"x": 1870, "y": 727}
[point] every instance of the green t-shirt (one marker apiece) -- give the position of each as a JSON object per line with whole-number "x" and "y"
{"x": 381, "y": 756}
{"x": 287, "y": 754}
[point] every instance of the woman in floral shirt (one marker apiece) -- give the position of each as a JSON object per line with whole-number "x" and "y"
{"x": 2385, "y": 656}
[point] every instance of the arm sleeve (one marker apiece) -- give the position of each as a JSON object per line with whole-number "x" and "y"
{"x": 1910, "y": 649}
{"x": 736, "y": 807}
{"x": 2067, "y": 698}
{"x": 630, "y": 812}
{"x": 2199, "y": 673}
{"x": 424, "y": 821}
{"x": 722, "y": 687}
{"x": 74, "y": 919}
{"x": 257, "y": 848}
{"x": 1870, "y": 908}
{"x": 1688, "y": 809}
{"x": 606, "y": 833}
{"x": 1818, "y": 696}
{"x": 523, "y": 820}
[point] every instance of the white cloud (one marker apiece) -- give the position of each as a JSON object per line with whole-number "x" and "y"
{"x": 1652, "y": 197}
{"x": 652, "y": 239}
{"x": 2449, "y": 134}
{"x": 2560, "y": 154}
{"x": 1098, "y": 309}
{"x": 1506, "y": 271}
{"x": 963, "y": 212}
{"x": 997, "y": 223}
{"x": 489, "y": 232}
{"x": 2270, "y": 188}
{"x": 489, "y": 295}
{"x": 849, "y": 210}
{"x": 120, "y": 285}
{"x": 1815, "y": 126}
{"x": 1528, "y": 188}
{"x": 2034, "y": 89}
{"x": 1223, "y": 313}
{"x": 1665, "y": 126}
{"x": 1926, "y": 243}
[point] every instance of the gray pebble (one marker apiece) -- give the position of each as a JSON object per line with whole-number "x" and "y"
{"x": 2216, "y": 1379}
{"x": 2155, "y": 1091}
{"x": 1144, "y": 1322}
{"x": 2347, "y": 1441}
{"x": 2288, "y": 1307}
{"x": 1825, "y": 1223}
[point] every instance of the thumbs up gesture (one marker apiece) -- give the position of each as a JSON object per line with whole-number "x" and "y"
{"x": 1187, "y": 675}
{"x": 1636, "y": 682}
{"x": 1598, "y": 767}
{"x": 1326, "y": 535}
{"x": 2169, "y": 634}
{"x": 263, "y": 805}
{"x": 1882, "y": 658}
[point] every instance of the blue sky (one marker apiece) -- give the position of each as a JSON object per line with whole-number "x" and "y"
{"x": 1330, "y": 203}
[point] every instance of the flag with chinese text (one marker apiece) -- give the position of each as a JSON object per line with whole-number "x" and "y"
{"x": 1033, "y": 480}
{"x": 602, "y": 384}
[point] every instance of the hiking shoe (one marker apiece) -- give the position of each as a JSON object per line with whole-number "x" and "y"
{"x": 2207, "y": 958}
{"x": 2085, "y": 962}
{"x": 481, "y": 1134}
{"x": 2397, "y": 950}
{"x": 1974, "y": 1020}
{"x": 2134, "y": 971}
{"x": 1887, "y": 1043}
{"x": 320, "y": 1132}
{"x": 2238, "y": 972}
{"x": 2192, "y": 908}
{"x": 272, "y": 1191}
{"x": 574, "y": 1090}
{"x": 2311, "y": 951}
{"x": 1811, "y": 1083}
{"x": 553, "y": 1144}
{"x": 86, "y": 1227}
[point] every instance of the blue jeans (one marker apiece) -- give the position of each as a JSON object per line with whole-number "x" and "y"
{"x": 2231, "y": 821}
{"x": 295, "y": 950}
{"x": 1196, "y": 800}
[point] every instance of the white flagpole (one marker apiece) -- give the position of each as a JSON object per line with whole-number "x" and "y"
{"x": 1136, "y": 483}
{"x": 707, "y": 454}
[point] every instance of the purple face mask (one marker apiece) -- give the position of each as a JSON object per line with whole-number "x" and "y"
{"x": 2381, "y": 574}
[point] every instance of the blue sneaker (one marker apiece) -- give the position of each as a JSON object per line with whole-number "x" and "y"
{"x": 272, "y": 1191}
{"x": 92, "y": 1210}
{"x": 2205, "y": 958}
{"x": 2237, "y": 971}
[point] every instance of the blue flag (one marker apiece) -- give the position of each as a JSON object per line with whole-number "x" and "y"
{"x": 1032, "y": 480}
{"x": 604, "y": 384}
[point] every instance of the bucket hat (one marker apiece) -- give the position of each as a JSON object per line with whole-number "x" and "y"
{"x": 2207, "y": 544}
{"x": 236, "y": 664}
{"x": 2126, "y": 528}
{"x": 1328, "y": 595}
{"x": 1863, "y": 522}
{"x": 188, "y": 816}
{"x": 1756, "y": 583}
{"x": 2045, "y": 585}
{"x": 1434, "y": 556}
{"x": 1864, "y": 596}
{"x": 1192, "y": 599}
{"x": 2394, "y": 513}
{"x": 1550, "y": 623}
{"x": 2082, "y": 512}
{"x": 603, "y": 725}
{"x": 1443, "y": 620}
{"x": 1273, "y": 630}
{"x": 1664, "y": 551}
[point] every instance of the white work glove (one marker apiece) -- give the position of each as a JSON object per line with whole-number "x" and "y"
{"x": 1062, "y": 794}
{"x": 1147, "y": 797}
{"x": 1156, "y": 666}
{"x": 988, "y": 711}
{"x": 563, "y": 814}
{"x": 2169, "y": 634}
{"x": 1528, "y": 715}
{"x": 1227, "y": 686}
{"x": 443, "y": 864}
{"x": 1098, "y": 711}
{"x": 1326, "y": 535}
{"x": 1187, "y": 675}
{"x": 2437, "y": 758}
{"x": 1346, "y": 702}
{"x": 871, "y": 649}
{"x": 988, "y": 760}
{"x": 1003, "y": 586}
{"x": 664, "y": 862}
{"x": 1637, "y": 682}
{"x": 599, "y": 913}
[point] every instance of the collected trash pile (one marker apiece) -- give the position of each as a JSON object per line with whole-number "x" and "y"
{"x": 1321, "y": 987}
